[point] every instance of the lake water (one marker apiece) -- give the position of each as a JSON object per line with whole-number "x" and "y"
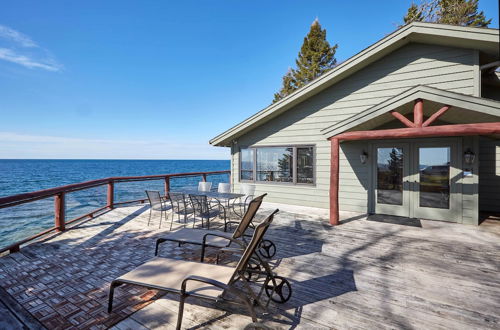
{"x": 20, "y": 176}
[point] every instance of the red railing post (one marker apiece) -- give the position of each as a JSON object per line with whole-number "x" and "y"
{"x": 111, "y": 194}
{"x": 204, "y": 177}
{"x": 167, "y": 185}
{"x": 59, "y": 210}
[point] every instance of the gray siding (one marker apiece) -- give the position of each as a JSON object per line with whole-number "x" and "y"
{"x": 489, "y": 175}
{"x": 414, "y": 64}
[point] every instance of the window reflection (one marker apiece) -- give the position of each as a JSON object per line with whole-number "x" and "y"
{"x": 305, "y": 165}
{"x": 434, "y": 168}
{"x": 390, "y": 176}
{"x": 247, "y": 162}
{"x": 275, "y": 164}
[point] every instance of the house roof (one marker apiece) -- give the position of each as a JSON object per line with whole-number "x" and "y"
{"x": 483, "y": 39}
{"x": 486, "y": 110}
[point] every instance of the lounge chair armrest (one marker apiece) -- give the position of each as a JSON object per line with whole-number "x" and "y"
{"x": 228, "y": 237}
{"x": 203, "y": 280}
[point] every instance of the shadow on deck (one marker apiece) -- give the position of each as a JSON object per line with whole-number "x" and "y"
{"x": 363, "y": 274}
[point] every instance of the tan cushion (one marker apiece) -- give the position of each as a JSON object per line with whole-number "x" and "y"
{"x": 167, "y": 274}
{"x": 195, "y": 236}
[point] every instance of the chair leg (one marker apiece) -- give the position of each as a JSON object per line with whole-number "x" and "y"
{"x": 150, "y": 210}
{"x": 181, "y": 311}
{"x": 112, "y": 287}
{"x": 161, "y": 218}
{"x": 171, "y": 222}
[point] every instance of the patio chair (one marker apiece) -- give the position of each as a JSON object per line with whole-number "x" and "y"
{"x": 195, "y": 279}
{"x": 204, "y": 186}
{"x": 218, "y": 239}
{"x": 157, "y": 204}
{"x": 240, "y": 204}
{"x": 224, "y": 188}
{"x": 179, "y": 206}
{"x": 206, "y": 210}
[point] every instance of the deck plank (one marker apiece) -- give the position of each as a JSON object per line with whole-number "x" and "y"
{"x": 363, "y": 274}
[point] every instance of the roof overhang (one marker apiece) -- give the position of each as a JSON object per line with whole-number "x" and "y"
{"x": 482, "y": 39}
{"x": 486, "y": 110}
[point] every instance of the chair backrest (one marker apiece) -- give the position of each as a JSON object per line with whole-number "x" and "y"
{"x": 178, "y": 200}
{"x": 252, "y": 209}
{"x": 257, "y": 237}
{"x": 204, "y": 186}
{"x": 247, "y": 189}
{"x": 154, "y": 199}
{"x": 224, "y": 188}
{"x": 199, "y": 202}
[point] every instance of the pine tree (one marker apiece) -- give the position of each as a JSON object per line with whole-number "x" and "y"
{"x": 461, "y": 12}
{"x": 414, "y": 14}
{"x": 288, "y": 86}
{"x": 316, "y": 57}
{"x": 456, "y": 12}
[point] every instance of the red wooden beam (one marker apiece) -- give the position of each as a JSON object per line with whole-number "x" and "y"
{"x": 430, "y": 131}
{"x": 334, "y": 183}
{"x": 402, "y": 119}
{"x": 418, "y": 112}
{"x": 435, "y": 116}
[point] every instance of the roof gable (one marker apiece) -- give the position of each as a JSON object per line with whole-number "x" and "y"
{"x": 488, "y": 110}
{"x": 483, "y": 39}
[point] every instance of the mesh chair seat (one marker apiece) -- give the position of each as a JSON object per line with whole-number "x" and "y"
{"x": 167, "y": 274}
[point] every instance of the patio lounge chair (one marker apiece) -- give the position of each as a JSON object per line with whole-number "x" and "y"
{"x": 217, "y": 239}
{"x": 190, "y": 278}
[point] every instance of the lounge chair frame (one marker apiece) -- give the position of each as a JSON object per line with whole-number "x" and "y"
{"x": 228, "y": 287}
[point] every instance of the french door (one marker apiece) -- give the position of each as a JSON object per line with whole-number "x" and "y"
{"x": 417, "y": 179}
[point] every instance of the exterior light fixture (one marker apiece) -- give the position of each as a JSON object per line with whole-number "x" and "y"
{"x": 363, "y": 157}
{"x": 469, "y": 157}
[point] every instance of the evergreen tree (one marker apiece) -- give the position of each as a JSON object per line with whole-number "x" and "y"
{"x": 316, "y": 57}
{"x": 288, "y": 86}
{"x": 456, "y": 12}
{"x": 414, "y": 14}
{"x": 461, "y": 12}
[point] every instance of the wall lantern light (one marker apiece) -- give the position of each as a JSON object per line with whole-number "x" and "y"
{"x": 469, "y": 157}
{"x": 363, "y": 157}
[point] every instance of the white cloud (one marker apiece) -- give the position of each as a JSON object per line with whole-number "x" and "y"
{"x": 14, "y": 145}
{"x": 26, "y": 61}
{"x": 16, "y": 36}
{"x": 18, "y": 48}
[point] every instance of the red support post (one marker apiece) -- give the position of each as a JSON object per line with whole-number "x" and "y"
{"x": 59, "y": 212}
{"x": 111, "y": 195}
{"x": 204, "y": 177}
{"x": 167, "y": 185}
{"x": 418, "y": 113}
{"x": 334, "y": 182}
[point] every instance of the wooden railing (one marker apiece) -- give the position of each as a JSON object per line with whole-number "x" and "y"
{"x": 59, "y": 194}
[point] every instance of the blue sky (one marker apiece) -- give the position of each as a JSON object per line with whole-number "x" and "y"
{"x": 157, "y": 79}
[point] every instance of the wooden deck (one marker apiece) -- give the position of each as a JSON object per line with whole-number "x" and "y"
{"x": 379, "y": 272}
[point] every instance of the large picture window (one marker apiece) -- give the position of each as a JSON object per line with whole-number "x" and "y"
{"x": 287, "y": 164}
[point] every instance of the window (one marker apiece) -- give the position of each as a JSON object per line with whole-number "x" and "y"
{"x": 288, "y": 164}
{"x": 247, "y": 161}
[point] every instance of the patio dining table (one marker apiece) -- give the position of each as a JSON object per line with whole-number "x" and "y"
{"x": 209, "y": 194}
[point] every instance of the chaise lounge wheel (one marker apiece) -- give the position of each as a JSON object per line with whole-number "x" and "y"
{"x": 267, "y": 249}
{"x": 279, "y": 290}
{"x": 252, "y": 273}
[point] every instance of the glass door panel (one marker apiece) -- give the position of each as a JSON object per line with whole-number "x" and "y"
{"x": 434, "y": 175}
{"x": 435, "y": 194}
{"x": 390, "y": 176}
{"x": 390, "y": 182}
